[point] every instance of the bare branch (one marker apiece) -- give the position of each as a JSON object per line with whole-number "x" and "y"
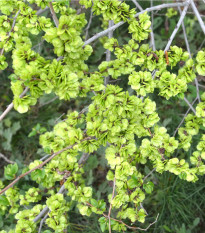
{"x": 55, "y": 19}
{"x": 137, "y": 5}
{"x": 108, "y": 52}
{"x": 50, "y": 101}
{"x": 46, "y": 209}
{"x": 152, "y": 33}
{"x": 109, "y": 213}
{"x": 136, "y": 228}
{"x": 149, "y": 174}
{"x": 42, "y": 221}
{"x": 189, "y": 51}
{"x": 12, "y": 28}
{"x": 154, "y": 8}
{"x": 185, "y": 35}
{"x": 196, "y": 12}
{"x": 178, "y": 25}
{"x": 182, "y": 121}
{"x": 4, "y": 157}
{"x": 88, "y": 26}
{"x": 190, "y": 105}
{"x": 41, "y": 11}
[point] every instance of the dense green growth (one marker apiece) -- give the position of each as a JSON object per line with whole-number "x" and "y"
{"x": 122, "y": 121}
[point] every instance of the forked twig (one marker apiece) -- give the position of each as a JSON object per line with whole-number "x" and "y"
{"x": 182, "y": 121}
{"x": 190, "y": 105}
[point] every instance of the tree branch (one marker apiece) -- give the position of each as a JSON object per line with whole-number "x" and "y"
{"x": 42, "y": 221}
{"x": 108, "y": 52}
{"x": 154, "y": 8}
{"x": 196, "y": 12}
{"x": 40, "y": 165}
{"x": 55, "y": 19}
{"x": 191, "y": 107}
{"x": 178, "y": 25}
{"x": 189, "y": 51}
{"x": 88, "y": 26}
{"x": 183, "y": 118}
{"x": 4, "y": 157}
{"x": 109, "y": 213}
{"x": 41, "y": 11}
{"x": 12, "y": 28}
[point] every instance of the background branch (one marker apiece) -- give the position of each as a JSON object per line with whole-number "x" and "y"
{"x": 5, "y": 158}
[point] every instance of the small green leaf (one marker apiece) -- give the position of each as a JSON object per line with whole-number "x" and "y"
{"x": 4, "y": 201}
{"x": 148, "y": 187}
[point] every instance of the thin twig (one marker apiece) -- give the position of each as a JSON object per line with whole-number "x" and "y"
{"x": 196, "y": 12}
{"x": 42, "y": 221}
{"x": 200, "y": 47}
{"x": 185, "y": 34}
{"x": 55, "y": 19}
{"x": 40, "y": 165}
{"x": 12, "y": 28}
{"x": 137, "y": 5}
{"x": 201, "y": 86}
{"x": 178, "y": 25}
{"x": 109, "y": 213}
{"x": 197, "y": 89}
{"x": 152, "y": 33}
{"x": 38, "y": 45}
{"x": 89, "y": 23}
{"x": 4, "y": 157}
{"x": 190, "y": 105}
{"x": 136, "y": 228}
{"x": 46, "y": 209}
{"x": 108, "y": 52}
{"x": 50, "y": 101}
{"x": 44, "y": 157}
{"x": 41, "y": 11}
{"x": 142, "y": 207}
{"x": 182, "y": 121}
{"x": 133, "y": 228}
{"x": 189, "y": 51}
{"x": 59, "y": 118}
{"x": 149, "y": 174}
{"x": 11, "y": 105}
{"x": 159, "y": 7}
